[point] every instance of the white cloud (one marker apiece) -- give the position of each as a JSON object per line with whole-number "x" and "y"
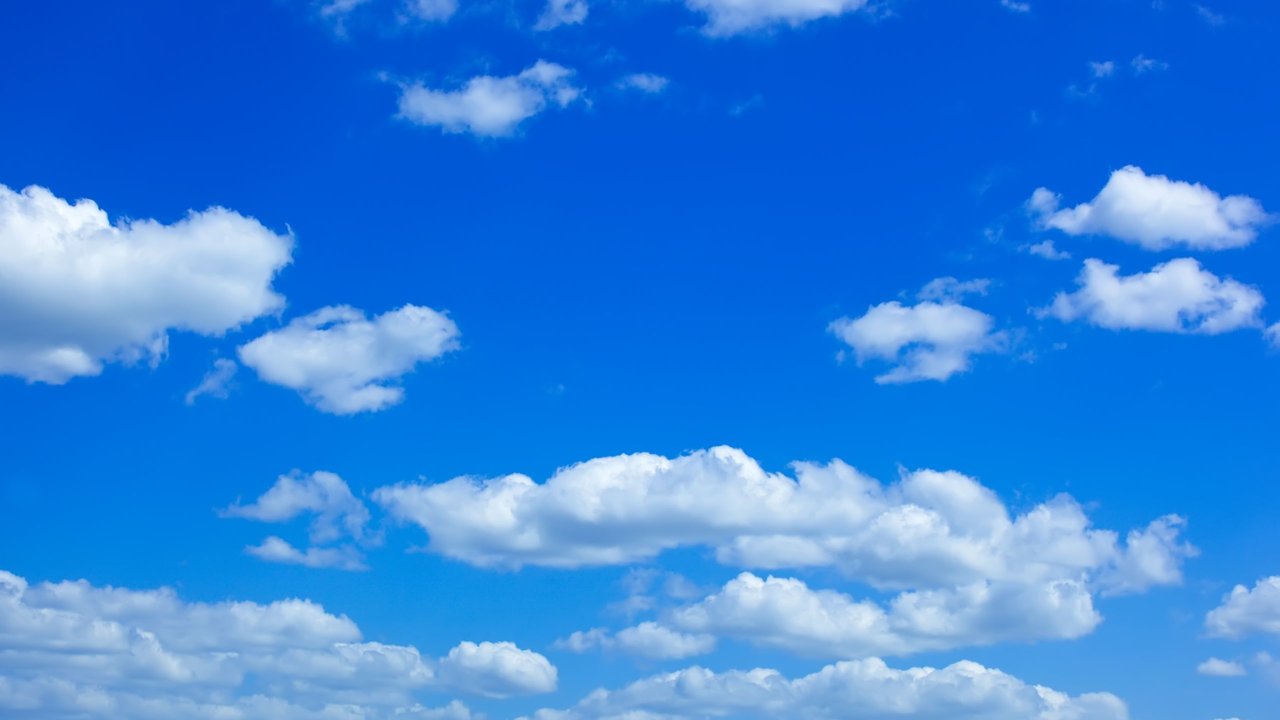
{"x": 323, "y": 494}
{"x": 214, "y": 383}
{"x": 1142, "y": 65}
{"x": 1102, "y": 69}
{"x": 277, "y": 550}
{"x": 1221, "y": 668}
{"x": 929, "y": 529}
{"x": 497, "y": 670}
{"x": 731, "y": 17}
{"x": 562, "y": 12}
{"x": 487, "y": 105}
{"x": 78, "y": 651}
{"x": 431, "y": 10}
{"x": 1048, "y": 251}
{"x": 342, "y": 362}
{"x": 1177, "y": 296}
{"x": 855, "y": 690}
{"x": 77, "y": 291}
{"x": 1247, "y": 612}
{"x": 1155, "y": 213}
{"x": 928, "y": 341}
{"x": 648, "y": 639}
{"x": 1208, "y": 15}
{"x": 1014, "y": 5}
{"x": 338, "y": 514}
{"x": 949, "y": 289}
{"x": 1273, "y": 334}
{"x": 644, "y": 82}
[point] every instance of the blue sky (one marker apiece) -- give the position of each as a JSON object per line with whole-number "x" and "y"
{"x": 451, "y": 360}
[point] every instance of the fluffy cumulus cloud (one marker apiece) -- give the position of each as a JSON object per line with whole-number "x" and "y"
{"x": 928, "y": 529}
{"x": 1156, "y": 213}
{"x": 1216, "y": 667}
{"x": 1177, "y": 296}
{"x": 731, "y": 17}
{"x": 78, "y": 291}
{"x": 73, "y": 650}
{"x": 343, "y": 362}
{"x": 1247, "y": 611}
{"x": 562, "y": 12}
{"x": 497, "y": 670}
{"x": 337, "y": 514}
{"x": 488, "y": 105}
{"x": 852, "y": 690}
{"x": 931, "y": 340}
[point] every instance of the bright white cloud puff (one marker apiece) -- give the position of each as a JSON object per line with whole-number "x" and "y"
{"x": 1247, "y": 611}
{"x": 733, "y": 17}
{"x": 854, "y": 690}
{"x": 343, "y": 362}
{"x": 74, "y": 650}
{"x": 932, "y": 340}
{"x": 77, "y": 291}
{"x": 1156, "y": 213}
{"x": 490, "y": 106}
{"x": 1177, "y": 296}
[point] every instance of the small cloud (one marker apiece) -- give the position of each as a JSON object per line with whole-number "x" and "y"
{"x": 490, "y": 106}
{"x": 1047, "y": 251}
{"x": 1102, "y": 69}
{"x": 562, "y": 12}
{"x": 1015, "y": 6}
{"x": 747, "y": 105}
{"x": 1209, "y": 15}
{"x": 215, "y": 381}
{"x": 1214, "y": 667}
{"x": 1142, "y": 65}
{"x": 949, "y": 289}
{"x": 644, "y": 82}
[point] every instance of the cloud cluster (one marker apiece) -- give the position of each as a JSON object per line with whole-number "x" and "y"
{"x": 927, "y": 529}
{"x": 77, "y": 291}
{"x": 74, "y": 650}
{"x": 342, "y": 362}
{"x": 853, "y": 690}
{"x": 338, "y": 514}
{"x": 1156, "y": 213}
{"x": 487, "y": 105}
{"x": 1177, "y": 296}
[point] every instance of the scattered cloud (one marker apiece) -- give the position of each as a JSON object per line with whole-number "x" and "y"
{"x": 1016, "y": 6}
{"x": 644, "y": 82}
{"x": 75, "y": 650}
{"x": 1273, "y": 335}
{"x": 1047, "y": 250}
{"x": 1103, "y": 69}
{"x": 79, "y": 291}
{"x": 562, "y": 12}
{"x": 1142, "y": 65}
{"x": 490, "y": 106}
{"x": 1221, "y": 668}
{"x": 1177, "y": 296}
{"x": 1247, "y": 611}
{"x": 214, "y": 383}
{"x": 927, "y": 530}
{"x": 648, "y": 640}
{"x": 1209, "y": 16}
{"x": 949, "y": 289}
{"x": 733, "y": 17}
{"x": 1155, "y": 213}
{"x": 857, "y": 690}
{"x": 929, "y": 341}
{"x": 342, "y": 362}
{"x": 338, "y": 515}
{"x": 431, "y": 10}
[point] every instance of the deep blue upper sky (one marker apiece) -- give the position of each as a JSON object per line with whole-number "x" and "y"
{"x": 656, "y": 272}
